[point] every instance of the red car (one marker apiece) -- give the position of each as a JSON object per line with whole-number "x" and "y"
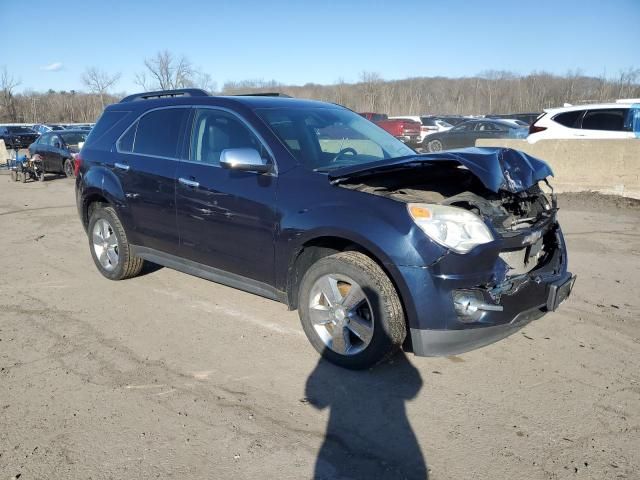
{"x": 407, "y": 131}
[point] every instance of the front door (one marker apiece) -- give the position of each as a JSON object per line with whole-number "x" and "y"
{"x": 226, "y": 218}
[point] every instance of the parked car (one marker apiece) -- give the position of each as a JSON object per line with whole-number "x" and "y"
{"x": 370, "y": 241}
{"x": 16, "y": 136}
{"x": 428, "y": 125}
{"x": 598, "y": 121}
{"x": 466, "y": 134}
{"x": 527, "y": 118}
{"x": 42, "y": 128}
{"x": 451, "y": 119}
{"x": 57, "y": 150}
{"x": 405, "y": 130}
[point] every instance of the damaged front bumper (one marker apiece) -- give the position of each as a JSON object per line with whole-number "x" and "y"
{"x": 463, "y": 302}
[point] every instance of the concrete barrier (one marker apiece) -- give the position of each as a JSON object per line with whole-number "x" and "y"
{"x": 4, "y": 154}
{"x": 605, "y": 166}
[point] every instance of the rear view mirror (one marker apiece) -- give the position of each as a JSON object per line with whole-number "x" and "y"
{"x": 244, "y": 159}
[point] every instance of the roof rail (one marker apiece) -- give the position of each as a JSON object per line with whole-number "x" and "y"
{"x": 181, "y": 92}
{"x": 263, "y": 94}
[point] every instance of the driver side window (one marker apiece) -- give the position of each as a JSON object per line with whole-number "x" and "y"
{"x": 215, "y": 131}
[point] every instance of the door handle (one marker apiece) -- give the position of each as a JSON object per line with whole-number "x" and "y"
{"x": 121, "y": 166}
{"x": 188, "y": 183}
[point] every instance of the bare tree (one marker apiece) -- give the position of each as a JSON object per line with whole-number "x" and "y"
{"x": 165, "y": 71}
{"x": 8, "y": 84}
{"x": 371, "y": 85}
{"x": 99, "y": 82}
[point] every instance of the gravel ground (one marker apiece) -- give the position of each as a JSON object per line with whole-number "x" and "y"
{"x": 171, "y": 376}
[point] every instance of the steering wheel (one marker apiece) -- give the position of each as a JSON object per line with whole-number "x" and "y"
{"x": 344, "y": 151}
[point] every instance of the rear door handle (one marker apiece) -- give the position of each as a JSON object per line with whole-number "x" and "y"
{"x": 122, "y": 166}
{"x": 188, "y": 183}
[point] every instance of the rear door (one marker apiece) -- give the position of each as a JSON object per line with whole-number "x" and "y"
{"x": 146, "y": 163}
{"x": 606, "y": 123}
{"x": 226, "y": 218}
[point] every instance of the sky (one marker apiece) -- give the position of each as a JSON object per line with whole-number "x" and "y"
{"x": 48, "y": 45}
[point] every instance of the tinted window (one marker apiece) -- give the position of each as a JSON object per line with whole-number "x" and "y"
{"x": 464, "y": 127}
{"x": 428, "y": 122}
{"x": 159, "y": 131}
{"x": 487, "y": 127}
{"x": 609, "y": 119}
{"x": 125, "y": 144}
{"x": 73, "y": 138}
{"x": 215, "y": 131}
{"x": 569, "y": 119}
{"x": 106, "y": 121}
{"x": 45, "y": 139}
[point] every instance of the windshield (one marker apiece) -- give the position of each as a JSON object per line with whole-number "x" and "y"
{"x": 73, "y": 138}
{"x": 328, "y": 138}
{"x": 19, "y": 130}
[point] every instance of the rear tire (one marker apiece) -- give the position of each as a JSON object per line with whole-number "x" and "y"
{"x": 68, "y": 168}
{"x": 354, "y": 335}
{"x": 434, "y": 146}
{"x": 109, "y": 246}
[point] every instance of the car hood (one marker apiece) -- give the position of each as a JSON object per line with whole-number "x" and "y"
{"x": 497, "y": 168}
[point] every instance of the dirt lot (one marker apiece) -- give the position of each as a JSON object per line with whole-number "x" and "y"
{"x": 171, "y": 376}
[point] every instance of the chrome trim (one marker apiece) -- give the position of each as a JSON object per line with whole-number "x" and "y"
{"x": 188, "y": 183}
{"x": 121, "y": 166}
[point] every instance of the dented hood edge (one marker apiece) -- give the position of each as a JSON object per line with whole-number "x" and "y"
{"x": 496, "y": 167}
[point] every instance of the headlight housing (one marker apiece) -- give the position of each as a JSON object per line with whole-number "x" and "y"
{"x": 452, "y": 227}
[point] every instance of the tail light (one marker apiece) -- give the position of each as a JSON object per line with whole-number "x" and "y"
{"x": 535, "y": 129}
{"x": 77, "y": 164}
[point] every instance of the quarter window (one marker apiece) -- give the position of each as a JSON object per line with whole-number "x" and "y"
{"x": 215, "y": 131}
{"x": 158, "y": 132}
{"x": 569, "y": 119}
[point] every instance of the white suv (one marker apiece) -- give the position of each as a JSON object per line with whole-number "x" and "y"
{"x": 598, "y": 121}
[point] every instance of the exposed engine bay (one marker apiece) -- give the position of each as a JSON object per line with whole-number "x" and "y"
{"x": 448, "y": 183}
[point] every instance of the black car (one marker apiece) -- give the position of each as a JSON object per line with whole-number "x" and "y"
{"x": 465, "y": 134}
{"x": 57, "y": 150}
{"x": 527, "y": 118}
{"x": 16, "y": 137}
{"x": 310, "y": 204}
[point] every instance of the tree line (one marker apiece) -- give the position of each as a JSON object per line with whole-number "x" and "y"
{"x": 490, "y": 92}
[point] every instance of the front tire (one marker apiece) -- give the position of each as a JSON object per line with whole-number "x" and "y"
{"x": 109, "y": 246}
{"x": 350, "y": 310}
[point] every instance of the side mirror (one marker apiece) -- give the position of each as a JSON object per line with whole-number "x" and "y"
{"x": 244, "y": 159}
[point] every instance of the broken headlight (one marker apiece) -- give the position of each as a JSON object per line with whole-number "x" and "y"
{"x": 451, "y": 227}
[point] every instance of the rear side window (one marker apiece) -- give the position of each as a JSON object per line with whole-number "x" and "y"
{"x": 569, "y": 119}
{"x": 612, "y": 119}
{"x": 158, "y": 132}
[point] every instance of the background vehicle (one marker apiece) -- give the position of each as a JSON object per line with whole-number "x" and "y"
{"x": 17, "y": 136}
{"x": 428, "y": 124}
{"x": 47, "y": 127}
{"x": 527, "y": 118}
{"x": 466, "y": 134}
{"x": 405, "y": 130}
{"x": 597, "y": 121}
{"x": 57, "y": 150}
{"x": 309, "y": 204}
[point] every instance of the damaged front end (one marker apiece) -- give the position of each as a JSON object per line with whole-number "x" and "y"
{"x": 477, "y": 293}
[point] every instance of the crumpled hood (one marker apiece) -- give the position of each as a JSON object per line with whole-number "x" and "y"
{"x": 497, "y": 168}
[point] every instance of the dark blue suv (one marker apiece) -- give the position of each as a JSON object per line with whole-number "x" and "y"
{"x": 310, "y": 204}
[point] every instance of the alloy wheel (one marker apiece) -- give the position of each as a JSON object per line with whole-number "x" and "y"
{"x": 105, "y": 244}
{"x": 341, "y": 314}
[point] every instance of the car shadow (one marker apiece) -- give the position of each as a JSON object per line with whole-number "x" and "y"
{"x": 368, "y": 433}
{"x": 149, "y": 268}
